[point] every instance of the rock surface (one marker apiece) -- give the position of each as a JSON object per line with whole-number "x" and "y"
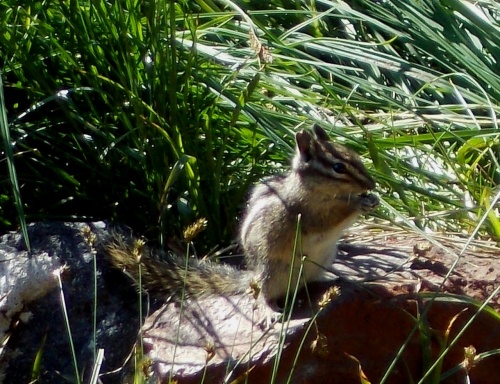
{"x": 389, "y": 279}
{"x": 37, "y": 324}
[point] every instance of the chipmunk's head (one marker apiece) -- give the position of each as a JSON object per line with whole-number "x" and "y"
{"x": 319, "y": 157}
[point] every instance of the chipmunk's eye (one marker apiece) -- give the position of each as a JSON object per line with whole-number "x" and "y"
{"x": 339, "y": 167}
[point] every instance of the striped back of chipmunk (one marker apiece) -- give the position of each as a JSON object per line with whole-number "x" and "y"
{"x": 317, "y": 155}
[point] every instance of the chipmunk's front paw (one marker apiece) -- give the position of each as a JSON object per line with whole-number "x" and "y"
{"x": 368, "y": 202}
{"x": 270, "y": 319}
{"x": 270, "y": 314}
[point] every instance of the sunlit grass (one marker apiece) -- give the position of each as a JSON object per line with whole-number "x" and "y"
{"x": 144, "y": 87}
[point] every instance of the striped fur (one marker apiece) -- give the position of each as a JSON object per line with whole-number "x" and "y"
{"x": 317, "y": 154}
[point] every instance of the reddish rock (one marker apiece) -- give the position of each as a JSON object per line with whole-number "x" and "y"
{"x": 360, "y": 332}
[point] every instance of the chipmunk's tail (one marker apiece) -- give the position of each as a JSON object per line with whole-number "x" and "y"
{"x": 168, "y": 275}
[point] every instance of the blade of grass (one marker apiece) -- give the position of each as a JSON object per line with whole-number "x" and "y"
{"x": 9, "y": 156}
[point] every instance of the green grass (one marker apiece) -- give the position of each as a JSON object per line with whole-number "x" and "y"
{"x": 155, "y": 115}
{"x": 159, "y": 113}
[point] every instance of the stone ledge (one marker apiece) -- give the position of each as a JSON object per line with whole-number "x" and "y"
{"x": 219, "y": 340}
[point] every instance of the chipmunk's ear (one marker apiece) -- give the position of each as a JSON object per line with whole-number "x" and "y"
{"x": 320, "y": 133}
{"x": 303, "y": 140}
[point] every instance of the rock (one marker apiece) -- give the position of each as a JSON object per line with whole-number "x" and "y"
{"x": 43, "y": 331}
{"x": 357, "y": 328}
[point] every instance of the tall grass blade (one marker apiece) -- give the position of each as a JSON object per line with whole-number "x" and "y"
{"x": 9, "y": 156}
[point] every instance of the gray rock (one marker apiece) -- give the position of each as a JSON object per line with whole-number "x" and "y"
{"x": 31, "y": 313}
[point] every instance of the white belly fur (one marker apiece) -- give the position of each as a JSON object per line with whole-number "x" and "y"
{"x": 320, "y": 250}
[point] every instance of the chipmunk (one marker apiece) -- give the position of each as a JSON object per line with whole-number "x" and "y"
{"x": 322, "y": 194}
